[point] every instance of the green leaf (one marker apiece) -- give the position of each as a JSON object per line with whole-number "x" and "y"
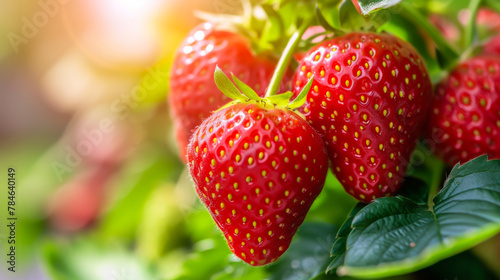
{"x": 443, "y": 60}
{"x": 398, "y": 235}
{"x": 236, "y": 269}
{"x": 351, "y": 19}
{"x": 161, "y": 228}
{"x": 349, "y": 16}
{"x": 226, "y": 86}
{"x": 245, "y": 89}
{"x": 301, "y": 98}
{"x": 339, "y": 247}
{"x": 280, "y": 99}
{"x": 150, "y": 167}
{"x": 368, "y": 6}
{"x": 209, "y": 254}
{"x": 462, "y": 266}
{"x": 307, "y": 256}
{"x": 415, "y": 190}
{"x": 493, "y": 4}
{"x": 413, "y": 14}
{"x": 154, "y": 85}
{"x": 333, "y": 205}
{"x": 405, "y": 29}
{"x": 86, "y": 258}
{"x": 334, "y": 15}
{"x": 274, "y": 27}
{"x": 426, "y": 167}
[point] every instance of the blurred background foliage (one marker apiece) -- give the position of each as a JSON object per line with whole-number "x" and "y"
{"x": 92, "y": 76}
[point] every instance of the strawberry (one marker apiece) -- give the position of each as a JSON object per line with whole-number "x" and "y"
{"x": 193, "y": 94}
{"x": 492, "y": 46}
{"x": 76, "y": 204}
{"x": 486, "y": 19}
{"x": 489, "y": 19}
{"x": 367, "y": 101}
{"x": 315, "y": 34}
{"x": 448, "y": 29}
{"x": 465, "y": 114}
{"x": 257, "y": 167}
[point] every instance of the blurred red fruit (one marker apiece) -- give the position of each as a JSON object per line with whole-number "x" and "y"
{"x": 77, "y": 204}
{"x": 193, "y": 95}
{"x": 492, "y": 46}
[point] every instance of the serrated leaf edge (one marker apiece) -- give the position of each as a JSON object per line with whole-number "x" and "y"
{"x": 446, "y": 248}
{"x": 428, "y": 257}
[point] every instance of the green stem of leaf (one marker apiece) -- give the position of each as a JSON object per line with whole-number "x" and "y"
{"x": 420, "y": 20}
{"x": 470, "y": 29}
{"x": 437, "y": 179}
{"x": 285, "y": 59}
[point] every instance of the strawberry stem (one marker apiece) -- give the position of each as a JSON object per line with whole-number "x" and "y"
{"x": 470, "y": 29}
{"x": 285, "y": 58}
{"x": 420, "y": 20}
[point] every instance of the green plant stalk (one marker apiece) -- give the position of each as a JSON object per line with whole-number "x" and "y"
{"x": 285, "y": 59}
{"x": 436, "y": 181}
{"x": 470, "y": 29}
{"x": 414, "y": 15}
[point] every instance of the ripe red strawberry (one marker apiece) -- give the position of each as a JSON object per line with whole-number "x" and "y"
{"x": 486, "y": 19}
{"x": 368, "y": 102}
{"x": 193, "y": 94}
{"x": 492, "y": 46}
{"x": 465, "y": 117}
{"x": 258, "y": 169}
{"x": 76, "y": 204}
{"x": 447, "y": 28}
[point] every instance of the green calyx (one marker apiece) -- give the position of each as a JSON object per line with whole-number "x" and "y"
{"x": 342, "y": 17}
{"x": 266, "y": 24}
{"x": 242, "y": 93}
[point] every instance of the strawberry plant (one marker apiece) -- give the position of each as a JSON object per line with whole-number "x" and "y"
{"x": 327, "y": 139}
{"x": 367, "y": 95}
{"x": 257, "y": 166}
{"x": 427, "y": 230}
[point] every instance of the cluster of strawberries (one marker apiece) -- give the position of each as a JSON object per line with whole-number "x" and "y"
{"x": 258, "y": 166}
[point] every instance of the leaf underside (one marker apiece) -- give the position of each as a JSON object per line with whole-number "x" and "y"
{"x": 368, "y": 6}
{"x": 307, "y": 256}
